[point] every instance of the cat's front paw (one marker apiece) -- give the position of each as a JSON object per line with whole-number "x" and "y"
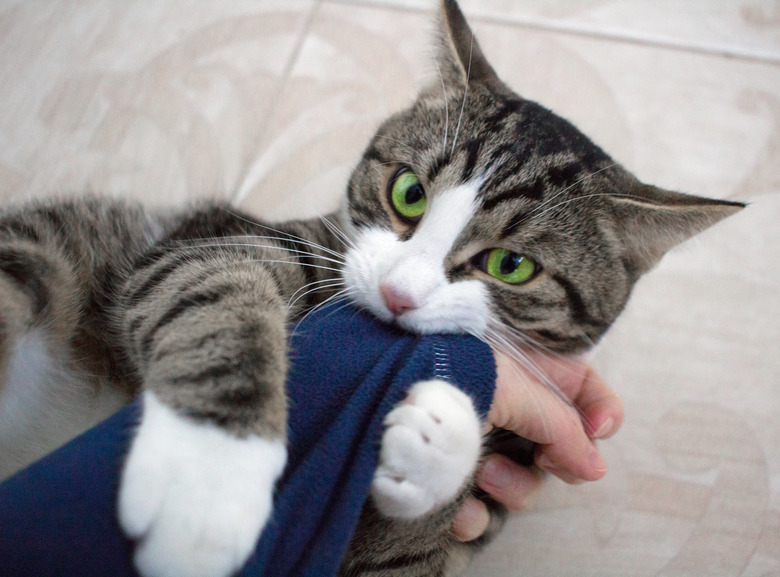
{"x": 195, "y": 497}
{"x": 430, "y": 448}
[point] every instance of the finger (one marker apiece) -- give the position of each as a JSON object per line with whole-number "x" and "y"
{"x": 601, "y": 408}
{"x": 527, "y": 407}
{"x": 566, "y": 374}
{"x": 471, "y": 520}
{"x": 573, "y": 461}
{"x": 508, "y": 483}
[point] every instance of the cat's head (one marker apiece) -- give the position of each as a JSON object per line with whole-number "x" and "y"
{"x": 475, "y": 210}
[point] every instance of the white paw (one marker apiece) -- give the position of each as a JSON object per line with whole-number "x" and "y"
{"x": 195, "y": 497}
{"x": 430, "y": 448}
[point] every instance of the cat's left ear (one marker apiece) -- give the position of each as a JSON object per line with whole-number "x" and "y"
{"x": 460, "y": 57}
{"x": 652, "y": 220}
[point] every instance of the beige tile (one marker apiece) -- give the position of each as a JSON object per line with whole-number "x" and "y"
{"x": 164, "y": 101}
{"x": 750, "y": 28}
{"x": 352, "y": 72}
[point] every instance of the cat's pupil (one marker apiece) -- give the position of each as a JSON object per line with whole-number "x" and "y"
{"x": 414, "y": 194}
{"x": 510, "y": 263}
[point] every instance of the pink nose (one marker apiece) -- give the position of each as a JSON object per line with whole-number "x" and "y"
{"x": 396, "y": 301}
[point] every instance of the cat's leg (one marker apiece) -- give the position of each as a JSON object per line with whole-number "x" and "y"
{"x": 430, "y": 450}
{"x": 207, "y": 331}
{"x": 45, "y": 398}
{"x": 29, "y": 331}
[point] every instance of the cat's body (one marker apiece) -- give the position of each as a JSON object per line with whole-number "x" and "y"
{"x": 472, "y": 211}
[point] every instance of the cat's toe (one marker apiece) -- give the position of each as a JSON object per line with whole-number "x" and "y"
{"x": 397, "y": 497}
{"x": 194, "y": 497}
{"x": 429, "y": 450}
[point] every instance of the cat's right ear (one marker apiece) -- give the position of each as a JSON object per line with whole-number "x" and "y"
{"x": 652, "y": 220}
{"x": 459, "y": 57}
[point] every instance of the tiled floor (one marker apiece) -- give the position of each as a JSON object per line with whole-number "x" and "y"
{"x": 270, "y": 103}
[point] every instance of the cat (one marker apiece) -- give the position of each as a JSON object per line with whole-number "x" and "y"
{"x": 473, "y": 211}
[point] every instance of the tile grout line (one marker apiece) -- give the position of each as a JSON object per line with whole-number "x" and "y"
{"x": 239, "y": 194}
{"x": 607, "y": 34}
{"x": 736, "y": 53}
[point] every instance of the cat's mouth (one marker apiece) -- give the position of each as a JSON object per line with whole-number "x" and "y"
{"x": 447, "y": 309}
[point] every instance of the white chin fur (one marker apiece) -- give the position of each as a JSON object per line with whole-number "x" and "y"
{"x": 194, "y": 496}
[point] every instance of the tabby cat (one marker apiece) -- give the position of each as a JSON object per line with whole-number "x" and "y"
{"x": 474, "y": 210}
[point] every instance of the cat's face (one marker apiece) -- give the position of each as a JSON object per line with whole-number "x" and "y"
{"x": 478, "y": 211}
{"x": 499, "y": 230}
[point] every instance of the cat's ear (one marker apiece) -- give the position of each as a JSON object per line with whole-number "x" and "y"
{"x": 460, "y": 58}
{"x": 652, "y": 220}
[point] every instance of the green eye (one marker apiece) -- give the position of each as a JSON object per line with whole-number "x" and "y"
{"x": 407, "y": 195}
{"x": 509, "y": 267}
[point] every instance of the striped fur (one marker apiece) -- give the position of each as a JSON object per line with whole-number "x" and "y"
{"x": 192, "y": 307}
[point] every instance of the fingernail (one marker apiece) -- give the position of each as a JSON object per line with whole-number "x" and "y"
{"x": 545, "y": 464}
{"x": 605, "y": 429}
{"x": 495, "y": 473}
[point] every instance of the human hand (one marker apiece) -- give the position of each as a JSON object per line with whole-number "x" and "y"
{"x": 564, "y": 436}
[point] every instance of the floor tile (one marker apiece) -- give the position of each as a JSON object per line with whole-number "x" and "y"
{"x": 164, "y": 101}
{"x": 356, "y": 66}
{"x": 750, "y": 28}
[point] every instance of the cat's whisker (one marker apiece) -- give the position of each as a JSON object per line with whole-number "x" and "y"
{"x": 502, "y": 342}
{"x": 587, "y": 339}
{"x": 305, "y": 242}
{"x": 576, "y": 183}
{"x": 296, "y": 238}
{"x": 520, "y": 366}
{"x": 446, "y": 104}
{"x": 338, "y": 233}
{"x": 465, "y": 98}
{"x": 516, "y": 351}
{"x": 309, "y": 288}
{"x": 343, "y": 294}
{"x": 418, "y": 169}
{"x": 578, "y": 198}
{"x": 291, "y": 260}
{"x": 533, "y": 212}
{"x": 411, "y": 150}
{"x": 268, "y": 246}
{"x": 233, "y": 241}
{"x": 551, "y": 355}
{"x": 295, "y": 262}
{"x": 529, "y": 342}
{"x": 333, "y": 280}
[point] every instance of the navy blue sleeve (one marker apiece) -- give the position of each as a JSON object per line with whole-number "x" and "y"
{"x": 57, "y": 517}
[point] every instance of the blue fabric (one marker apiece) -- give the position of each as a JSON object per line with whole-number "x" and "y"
{"x": 57, "y": 517}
